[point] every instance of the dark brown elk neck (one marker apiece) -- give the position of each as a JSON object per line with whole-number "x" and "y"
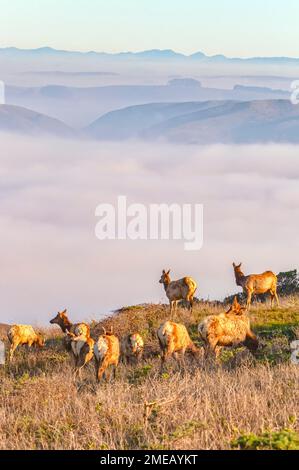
{"x": 65, "y": 324}
{"x": 166, "y": 284}
{"x": 240, "y": 278}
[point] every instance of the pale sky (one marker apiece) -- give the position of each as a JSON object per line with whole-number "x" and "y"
{"x": 232, "y": 27}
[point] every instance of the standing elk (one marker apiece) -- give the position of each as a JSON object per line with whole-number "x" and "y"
{"x": 23, "y": 334}
{"x": 183, "y": 289}
{"x": 174, "y": 339}
{"x": 73, "y": 330}
{"x": 131, "y": 347}
{"x": 256, "y": 284}
{"x": 83, "y": 351}
{"x": 63, "y": 321}
{"x": 106, "y": 353}
{"x": 227, "y": 329}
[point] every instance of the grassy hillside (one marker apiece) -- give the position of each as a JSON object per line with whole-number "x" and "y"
{"x": 246, "y": 402}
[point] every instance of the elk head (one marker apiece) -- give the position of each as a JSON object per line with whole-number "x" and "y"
{"x": 61, "y": 320}
{"x": 165, "y": 278}
{"x": 40, "y": 341}
{"x": 238, "y": 273}
{"x": 236, "y": 308}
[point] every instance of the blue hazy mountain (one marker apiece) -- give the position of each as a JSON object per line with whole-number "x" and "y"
{"x": 15, "y": 119}
{"x": 80, "y": 106}
{"x": 154, "y": 54}
{"x": 202, "y": 123}
{"x": 208, "y": 122}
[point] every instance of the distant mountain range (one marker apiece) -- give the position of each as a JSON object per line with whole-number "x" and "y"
{"x": 202, "y": 123}
{"x": 189, "y": 123}
{"x": 80, "y": 106}
{"x": 154, "y": 54}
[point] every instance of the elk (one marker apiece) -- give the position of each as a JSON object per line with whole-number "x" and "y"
{"x": 227, "y": 329}
{"x": 106, "y": 353}
{"x": 183, "y": 289}
{"x": 131, "y": 348}
{"x": 174, "y": 339}
{"x": 82, "y": 349}
{"x": 256, "y": 284}
{"x": 62, "y": 320}
{"x": 23, "y": 334}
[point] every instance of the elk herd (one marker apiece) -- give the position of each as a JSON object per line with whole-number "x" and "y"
{"x": 227, "y": 329}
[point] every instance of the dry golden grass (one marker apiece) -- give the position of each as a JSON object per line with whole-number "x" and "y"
{"x": 200, "y": 407}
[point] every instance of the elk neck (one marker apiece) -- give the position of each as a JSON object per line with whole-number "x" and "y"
{"x": 65, "y": 325}
{"x": 239, "y": 278}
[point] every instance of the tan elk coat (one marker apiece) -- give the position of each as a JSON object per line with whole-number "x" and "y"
{"x": 183, "y": 289}
{"x": 227, "y": 329}
{"x": 106, "y": 353}
{"x": 256, "y": 284}
{"x": 173, "y": 339}
{"x": 83, "y": 350}
{"x": 23, "y": 334}
{"x": 131, "y": 347}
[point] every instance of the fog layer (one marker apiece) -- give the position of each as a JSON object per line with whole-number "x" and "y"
{"x": 51, "y": 259}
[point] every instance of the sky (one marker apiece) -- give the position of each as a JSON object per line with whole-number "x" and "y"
{"x": 234, "y": 28}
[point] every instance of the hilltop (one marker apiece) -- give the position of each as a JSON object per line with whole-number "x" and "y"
{"x": 17, "y": 119}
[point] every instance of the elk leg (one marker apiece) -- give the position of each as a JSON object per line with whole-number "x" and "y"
{"x": 213, "y": 348}
{"x": 249, "y": 297}
{"x": 164, "y": 356}
{"x": 277, "y": 299}
{"x": 175, "y": 355}
{"x": 274, "y": 296}
{"x": 183, "y": 358}
{"x": 13, "y": 347}
{"x": 217, "y": 353}
{"x": 272, "y": 299}
{"x": 171, "y": 307}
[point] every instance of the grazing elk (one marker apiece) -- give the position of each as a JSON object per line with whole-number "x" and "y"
{"x": 82, "y": 349}
{"x": 227, "y": 329}
{"x": 173, "y": 339}
{"x": 106, "y": 353}
{"x": 256, "y": 284}
{"x": 23, "y": 334}
{"x": 183, "y": 289}
{"x": 131, "y": 348}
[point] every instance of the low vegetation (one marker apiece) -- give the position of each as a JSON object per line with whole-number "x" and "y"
{"x": 246, "y": 402}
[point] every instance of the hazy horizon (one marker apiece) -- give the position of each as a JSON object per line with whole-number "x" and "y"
{"x": 144, "y": 25}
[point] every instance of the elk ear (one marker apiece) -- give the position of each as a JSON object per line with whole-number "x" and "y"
{"x": 163, "y": 272}
{"x": 240, "y": 265}
{"x": 64, "y": 311}
{"x": 168, "y": 271}
{"x": 234, "y": 265}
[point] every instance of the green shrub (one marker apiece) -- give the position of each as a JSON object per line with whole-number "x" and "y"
{"x": 286, "y": 439}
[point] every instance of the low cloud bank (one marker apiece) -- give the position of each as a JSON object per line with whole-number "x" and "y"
{"x": 51, "y": 258}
